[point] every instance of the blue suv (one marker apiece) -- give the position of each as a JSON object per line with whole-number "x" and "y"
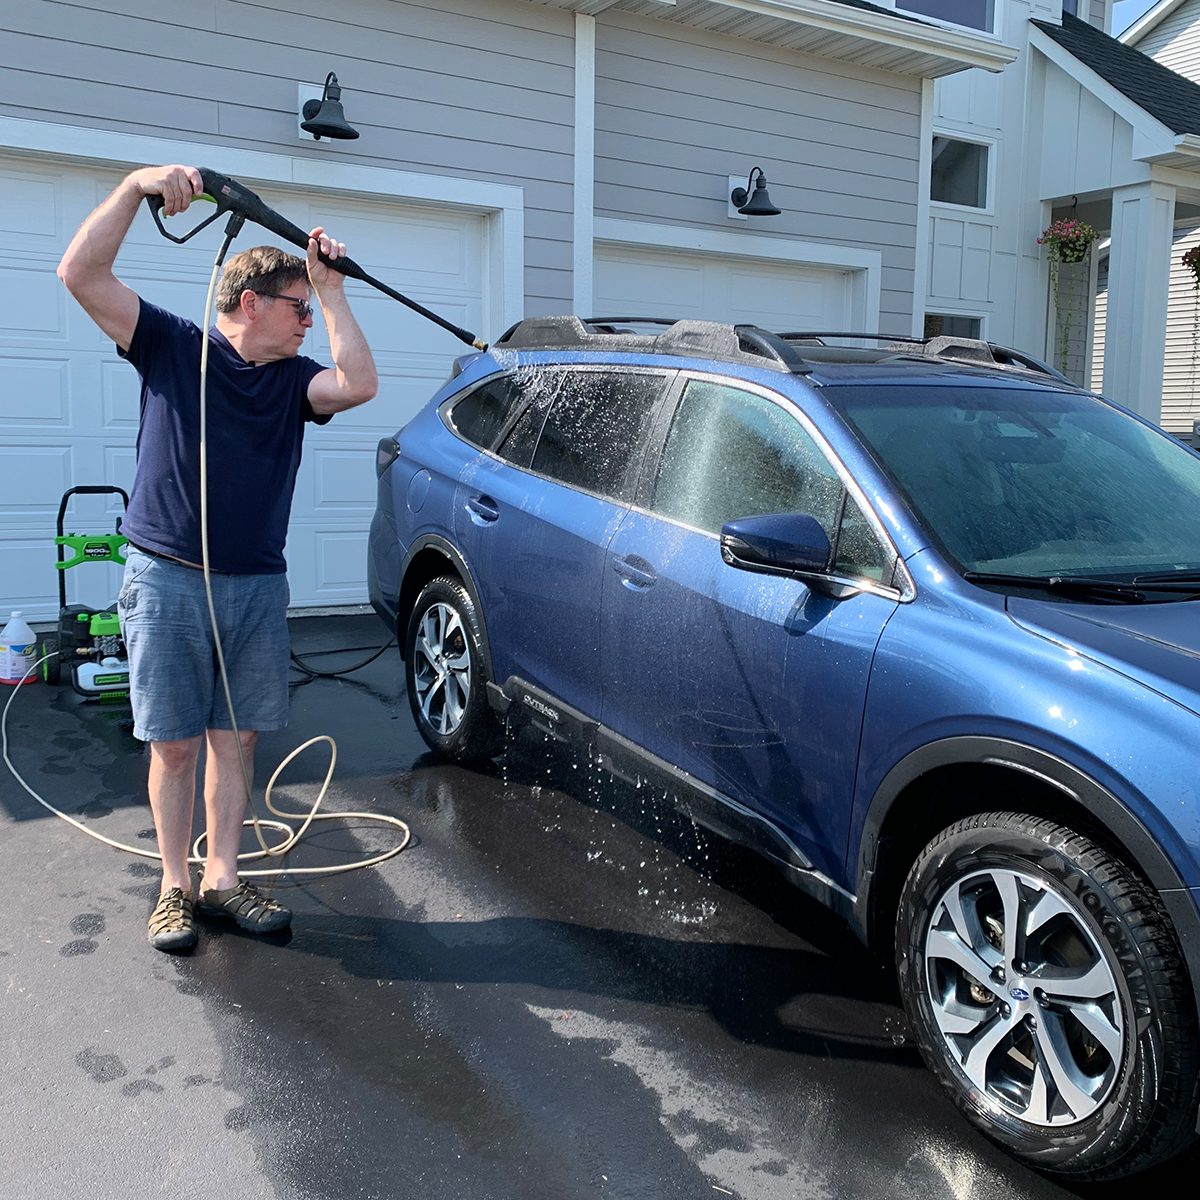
{"x": 918, "y": 620}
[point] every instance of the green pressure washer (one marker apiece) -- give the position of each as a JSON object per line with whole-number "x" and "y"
{"x": 88, "y": 644}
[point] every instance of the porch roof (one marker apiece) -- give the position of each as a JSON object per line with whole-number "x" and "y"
{"x": 1159, "y": 91}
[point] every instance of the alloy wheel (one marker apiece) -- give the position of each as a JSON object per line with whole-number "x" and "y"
{"x": 1024, "y": 997}
{"x": 442, "y": 668}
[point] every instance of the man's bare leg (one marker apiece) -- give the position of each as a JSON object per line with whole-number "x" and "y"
{"x": 225, "y": 802}
{"x": 172, "y": 788}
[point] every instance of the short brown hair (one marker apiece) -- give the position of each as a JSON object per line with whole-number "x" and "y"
{"x": 263, "y": 269}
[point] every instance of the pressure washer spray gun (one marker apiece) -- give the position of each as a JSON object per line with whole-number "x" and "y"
{"x": 232, "y": 197}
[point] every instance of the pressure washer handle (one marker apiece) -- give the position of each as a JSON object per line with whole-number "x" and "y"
{"x": 231, "y": 196}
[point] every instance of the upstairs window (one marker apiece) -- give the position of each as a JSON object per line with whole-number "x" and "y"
{"x": 960, "y": 173}
{"x": 975, "y": 14}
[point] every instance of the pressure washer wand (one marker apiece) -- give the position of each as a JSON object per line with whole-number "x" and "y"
{"x": 231, "y": 196}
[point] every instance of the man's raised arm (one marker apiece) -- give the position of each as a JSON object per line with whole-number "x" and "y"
{"x": 87, "y": 266}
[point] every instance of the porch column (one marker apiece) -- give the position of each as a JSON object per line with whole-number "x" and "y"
{"x": 1139, "y": 275}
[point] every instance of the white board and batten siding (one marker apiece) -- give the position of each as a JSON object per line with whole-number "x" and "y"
{"x": 448, "y": 90}
{"x": 679, "y": 108}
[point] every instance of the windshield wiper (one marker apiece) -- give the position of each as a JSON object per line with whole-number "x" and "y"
{"x": 1082, "y": 585}
{"x": 1186, "y": 580}
{"x": 1133, "y": 590}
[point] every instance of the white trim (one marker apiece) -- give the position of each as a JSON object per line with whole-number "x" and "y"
{"x": 1148, "y": 131}
{"x": 583, "y": 225}
{"x": 502, "y": 204}
{"x": 1148, "y": 20}
{"x": 924, "y": 230}
{"x": 969, "y": 49}
{"x": 866, "y": 265}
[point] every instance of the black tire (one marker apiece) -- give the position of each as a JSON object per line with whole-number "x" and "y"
{"x": 447, "y": 681}
{"x": 51, "y": 668}
{"x": 1081, "y": 1060}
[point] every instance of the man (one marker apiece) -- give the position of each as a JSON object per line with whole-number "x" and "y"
{"x": 260, "y": 392}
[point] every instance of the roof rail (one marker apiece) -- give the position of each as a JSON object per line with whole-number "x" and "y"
{"x": 699, "y": 339}
{"x": 951, "y": 347}
{"x": 749, "y": 343}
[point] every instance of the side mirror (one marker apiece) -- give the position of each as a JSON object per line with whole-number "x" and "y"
{"x": 777, "y": 543}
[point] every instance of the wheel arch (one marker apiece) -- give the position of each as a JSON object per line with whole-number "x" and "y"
{"x": 923, "y": 794}
{"x": 430, "y": 556}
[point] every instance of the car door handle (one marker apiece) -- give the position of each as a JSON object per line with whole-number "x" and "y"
{"x": 635, "y": 576}
{"x": 483, "y": 509}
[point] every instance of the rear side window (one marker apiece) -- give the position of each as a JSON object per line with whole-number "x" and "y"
{"x": 595, "y": 428}
{"x": 480, "y": 415}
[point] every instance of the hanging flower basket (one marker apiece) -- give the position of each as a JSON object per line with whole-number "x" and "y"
{"x": 1191, "y": 260}
{"x": 1067, "y": 239}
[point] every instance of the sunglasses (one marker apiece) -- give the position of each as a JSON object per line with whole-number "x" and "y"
{"x": 304, "y": 309}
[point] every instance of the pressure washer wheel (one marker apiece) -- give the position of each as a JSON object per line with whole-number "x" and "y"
{"x": 47, "y": 651}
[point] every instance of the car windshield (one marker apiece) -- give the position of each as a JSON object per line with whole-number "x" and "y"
{"x": 1035, "y": 482}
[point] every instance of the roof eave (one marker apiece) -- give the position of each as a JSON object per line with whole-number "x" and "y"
{"x": 1183, "y": 154}
{"x": 874, "y": 39}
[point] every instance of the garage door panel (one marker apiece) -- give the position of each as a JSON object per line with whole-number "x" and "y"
{"x": 344, "y": 481}
{"x": 36, "y": 391}
{"x": 638, "y": 281}
{"x": 632, "y": 284}
{"x": 780, "y": 299}
{"x": 326, "y": 562}
{"x": 119, "y": 399}
{"x": 434, "y": 250}
{"x": 31, "y": 209}
{"x": 33, "y": 477}
{"x": 33, "y": 304}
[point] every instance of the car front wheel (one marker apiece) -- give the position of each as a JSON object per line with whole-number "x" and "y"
{"x": 447, "y": 685}
{"x": 1049, "y": 995}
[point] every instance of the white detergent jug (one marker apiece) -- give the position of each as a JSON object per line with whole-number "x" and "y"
{"x": 18, "y": 651}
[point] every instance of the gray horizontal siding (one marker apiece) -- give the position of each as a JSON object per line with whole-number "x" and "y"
{"x": 472, "y": 90}
{"x": 1175, "y": 40}
{"x": 678, "y": 110}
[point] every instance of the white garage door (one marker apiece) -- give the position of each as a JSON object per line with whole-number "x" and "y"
{"x": 69, "y": 406}
{"x": 631, "y": 281}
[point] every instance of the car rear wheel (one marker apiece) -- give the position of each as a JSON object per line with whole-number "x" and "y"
{"x": 447, "y": 683}
{"x": 1049, "y": 996}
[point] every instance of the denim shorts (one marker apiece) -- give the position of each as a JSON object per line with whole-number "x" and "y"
{"x": 174, "y": 680}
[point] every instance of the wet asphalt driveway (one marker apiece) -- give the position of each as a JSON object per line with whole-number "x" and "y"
{"x": 559, "y": 990}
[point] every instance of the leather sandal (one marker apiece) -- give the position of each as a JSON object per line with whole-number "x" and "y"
{"x": 172, "y": 925}
{"x": 247, "y": 906}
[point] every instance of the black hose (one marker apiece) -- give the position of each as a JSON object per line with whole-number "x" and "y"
{"x": 313, "y": 673}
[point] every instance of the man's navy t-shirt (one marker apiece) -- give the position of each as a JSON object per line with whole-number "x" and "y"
{"x": 255, "y": 430}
